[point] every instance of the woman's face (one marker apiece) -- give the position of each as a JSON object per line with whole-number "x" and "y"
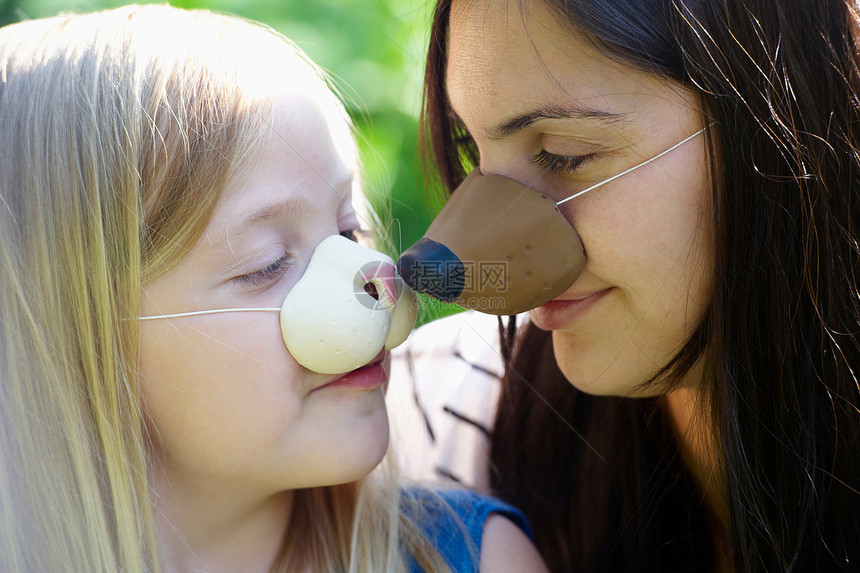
{"x": 227, "y": 405}
{"x": 547, "y": 110}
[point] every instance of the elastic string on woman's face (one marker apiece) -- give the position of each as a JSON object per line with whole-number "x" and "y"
{"x": 646, "y": 162}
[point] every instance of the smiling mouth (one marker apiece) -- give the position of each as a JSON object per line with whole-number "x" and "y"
{"x": 577, "y": 298}
{"x": 562, "y": 312}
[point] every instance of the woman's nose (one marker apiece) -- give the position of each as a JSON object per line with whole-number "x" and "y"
{"x": 497, "y": 246}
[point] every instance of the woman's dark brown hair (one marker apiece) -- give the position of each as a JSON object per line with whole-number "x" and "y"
{"x": 601, "y": 478}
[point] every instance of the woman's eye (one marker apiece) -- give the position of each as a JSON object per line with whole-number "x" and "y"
{"x": 269, "y": 273}
{"x": 560, "y": 163}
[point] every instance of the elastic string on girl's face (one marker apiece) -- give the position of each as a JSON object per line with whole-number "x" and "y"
{"x": 646, "y": 162}
{"x": 216, "y": 311}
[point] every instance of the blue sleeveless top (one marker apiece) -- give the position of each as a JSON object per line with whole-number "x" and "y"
{"x": 453, "y": 520}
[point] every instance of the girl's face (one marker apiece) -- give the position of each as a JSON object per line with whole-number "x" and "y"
{"x": 227, "y": 405}
{"x": 547, "y": 110}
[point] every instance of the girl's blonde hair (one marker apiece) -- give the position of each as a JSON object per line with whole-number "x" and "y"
{"x": 118, "y": 131}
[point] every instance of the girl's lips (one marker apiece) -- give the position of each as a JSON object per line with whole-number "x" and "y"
{"x": 560, "y": 313}
{"x": 370, "y": 376}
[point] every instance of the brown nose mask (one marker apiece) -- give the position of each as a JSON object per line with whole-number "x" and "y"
{"x": 498, "y": 246}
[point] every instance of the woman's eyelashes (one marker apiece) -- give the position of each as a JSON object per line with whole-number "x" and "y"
{"x": 560, "y": 163}
{"x": 268, "y": 274}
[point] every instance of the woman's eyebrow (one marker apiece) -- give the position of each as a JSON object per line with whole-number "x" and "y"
{"x": 523, "y": 120}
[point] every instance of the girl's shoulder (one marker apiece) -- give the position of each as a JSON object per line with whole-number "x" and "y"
{"x": 453, "y": 521}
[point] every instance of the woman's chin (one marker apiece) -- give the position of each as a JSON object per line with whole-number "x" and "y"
{"x": 586, "y": 372}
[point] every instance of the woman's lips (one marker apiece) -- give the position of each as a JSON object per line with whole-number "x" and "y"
{"x": 562, "y": 312}
{"x": 372, "y": 375}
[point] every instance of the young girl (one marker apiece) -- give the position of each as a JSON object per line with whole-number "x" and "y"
{"x": 689, "y": 401}
{"x": 193, "y": 348}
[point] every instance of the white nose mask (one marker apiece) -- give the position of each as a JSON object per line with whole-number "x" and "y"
{"x": 349, "y": 305}
{"x": 330, "y": 320}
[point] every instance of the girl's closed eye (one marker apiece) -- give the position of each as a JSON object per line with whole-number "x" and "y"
{"x": 269, "y": 273}
{"x": 561, "y": 163}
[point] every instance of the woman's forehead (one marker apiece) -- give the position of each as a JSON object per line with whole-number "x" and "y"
{"x": 520, "y": 64}
{"x": 531, "y": 62}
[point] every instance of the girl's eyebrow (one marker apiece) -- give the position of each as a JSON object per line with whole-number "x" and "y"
{"x": 267, "y": 212}
{"x": 239, "y": 224}
{"x": 521, "y": 121}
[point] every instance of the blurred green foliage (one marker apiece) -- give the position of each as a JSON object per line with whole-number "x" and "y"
{"x": 374, "y": 52}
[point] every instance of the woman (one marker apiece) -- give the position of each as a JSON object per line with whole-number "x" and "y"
{"x": 690, "y": 402}
{"x": 175, "y": 213}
